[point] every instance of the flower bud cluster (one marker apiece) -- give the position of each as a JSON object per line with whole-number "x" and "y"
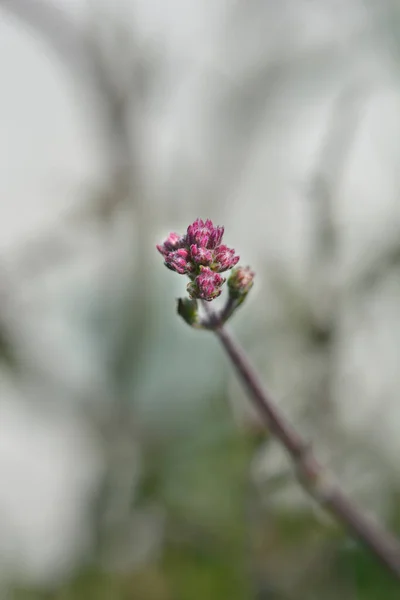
{"x": 200, "y": 255}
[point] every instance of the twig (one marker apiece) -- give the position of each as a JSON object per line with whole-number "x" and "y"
{"x": 56, "y": 28}
{"x": 313, "y": 476}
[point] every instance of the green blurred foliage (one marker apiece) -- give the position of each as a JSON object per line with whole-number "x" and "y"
{"x": 211, "y": 550}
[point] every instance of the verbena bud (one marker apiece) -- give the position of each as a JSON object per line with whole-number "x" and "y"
{"x": 207, "y": 285}
{"x": 240, "y": 283}
{"x": 187, "y": 309}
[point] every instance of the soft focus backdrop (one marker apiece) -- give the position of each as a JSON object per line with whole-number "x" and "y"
{"x": 130, "y": 464}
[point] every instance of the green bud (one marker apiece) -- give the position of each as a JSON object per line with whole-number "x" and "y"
{"x": 187, "y": 309}
{"x": 240, "y": 283}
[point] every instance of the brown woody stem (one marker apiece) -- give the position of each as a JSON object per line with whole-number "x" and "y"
{"x": 313, "y": 477}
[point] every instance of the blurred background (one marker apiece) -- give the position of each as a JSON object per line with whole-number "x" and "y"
{"x": 131, "y": 466}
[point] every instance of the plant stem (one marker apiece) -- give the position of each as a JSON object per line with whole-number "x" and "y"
{"x": 313, "y": 477}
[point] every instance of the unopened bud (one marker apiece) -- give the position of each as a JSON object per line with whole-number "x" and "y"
{"x": 187, "y": 309}
{"x": 240, "y": 283}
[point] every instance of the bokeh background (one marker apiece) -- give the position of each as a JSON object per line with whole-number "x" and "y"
{"x": 131, "y": 466}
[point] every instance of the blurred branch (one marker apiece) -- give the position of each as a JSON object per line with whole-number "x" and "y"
{"x": 379, "y": 265}
{"x": 8, "y": 344}
{"x": 7, "y": 356}
{"x": 117, "y": 92}
{"x": 115, "y": 75}
{"x": 324, "y": 185}
{"x": 325, "y": 251}
{"x": 118, "y": 79}
{"x": 324, "y": 189}
{"x": 55, "y": 27}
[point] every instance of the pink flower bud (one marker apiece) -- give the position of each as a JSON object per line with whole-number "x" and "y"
{"x": 207, "y": 285}
{"x": 201, "y": 256}
{"x": 173, "y": 242}
{"x": 204, "y": 234}
{"x": 224, "y": 259}
{"x": 178, "y": 261}
{"x": 240, "y": 282}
